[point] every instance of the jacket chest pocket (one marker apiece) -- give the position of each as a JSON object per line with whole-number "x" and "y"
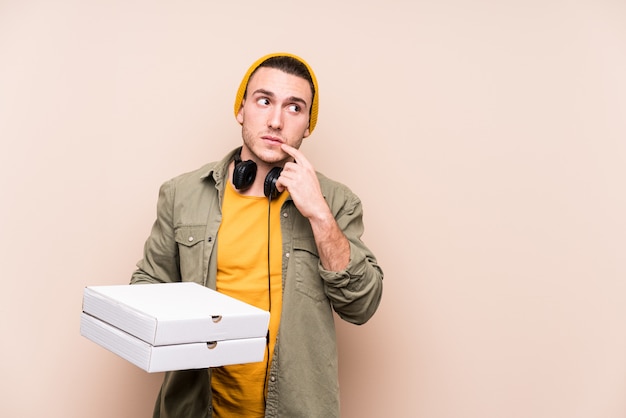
{"x": 190, "y": 240}
{"x": 306, "y": 259}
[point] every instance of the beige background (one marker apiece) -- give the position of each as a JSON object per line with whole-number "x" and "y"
{"x": 487, "y": 140}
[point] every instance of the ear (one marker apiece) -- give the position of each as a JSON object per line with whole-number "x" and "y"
{"x": 240, "y": 113}
{"x": 307, "y": 132}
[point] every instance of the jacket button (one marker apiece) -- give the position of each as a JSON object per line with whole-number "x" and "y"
{"x": 190, "y": 239}
{"x": 285, "y": 214}
{"x": 273, "y": 378}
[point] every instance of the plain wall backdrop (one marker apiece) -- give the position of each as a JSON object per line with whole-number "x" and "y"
{"x": 487, "y": 140}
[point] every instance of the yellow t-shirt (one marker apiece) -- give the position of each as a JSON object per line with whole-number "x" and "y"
{"x": 242, "y": 272}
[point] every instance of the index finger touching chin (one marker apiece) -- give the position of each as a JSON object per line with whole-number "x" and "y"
{"x": 294, "y": 152}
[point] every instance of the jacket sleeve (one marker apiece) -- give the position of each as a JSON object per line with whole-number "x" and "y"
{"x": 160, "y": 261}
{"x": 355, "y": 292}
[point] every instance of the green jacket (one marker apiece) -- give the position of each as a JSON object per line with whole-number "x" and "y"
{"x": 303, "y": 375}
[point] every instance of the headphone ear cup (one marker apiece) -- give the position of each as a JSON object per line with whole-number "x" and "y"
{"x": 269, "y": 187}
{"x": 244, "y": 174}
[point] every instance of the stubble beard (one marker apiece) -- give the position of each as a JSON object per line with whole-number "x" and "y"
{"x": 260, "y": 153}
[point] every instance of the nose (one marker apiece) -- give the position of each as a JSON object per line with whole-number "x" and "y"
{"x": 275, "y": 118}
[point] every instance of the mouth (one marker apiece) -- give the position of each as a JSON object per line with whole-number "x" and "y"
{"x": 272, "y": 139}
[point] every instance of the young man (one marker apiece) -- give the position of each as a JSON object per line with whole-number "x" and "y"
{"x": 263, "y": 226}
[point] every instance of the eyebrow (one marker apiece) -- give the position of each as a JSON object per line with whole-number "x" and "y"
{"x": 270, "y": 94}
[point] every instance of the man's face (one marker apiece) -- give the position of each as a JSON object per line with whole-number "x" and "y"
{"x": 274, "y": 112}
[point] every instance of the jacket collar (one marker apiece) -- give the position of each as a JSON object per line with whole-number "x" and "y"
{"x": 219, "y": 170}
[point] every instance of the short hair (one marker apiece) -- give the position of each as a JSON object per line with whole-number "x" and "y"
{"x": 289, "y": 65}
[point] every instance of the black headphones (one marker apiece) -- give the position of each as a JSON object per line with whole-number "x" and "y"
{"x": 244, "y": 174}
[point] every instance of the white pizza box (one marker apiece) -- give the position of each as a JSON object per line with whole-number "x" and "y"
{"x": 171, "y": 357}
{"x": 174, "y": 313}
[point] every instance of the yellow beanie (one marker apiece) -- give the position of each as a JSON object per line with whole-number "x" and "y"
{"x": 244, "y": 85}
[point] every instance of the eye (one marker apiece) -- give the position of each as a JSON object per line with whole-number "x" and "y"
{"x": 263, "y": 101}
{"x": 294, "y": 108}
